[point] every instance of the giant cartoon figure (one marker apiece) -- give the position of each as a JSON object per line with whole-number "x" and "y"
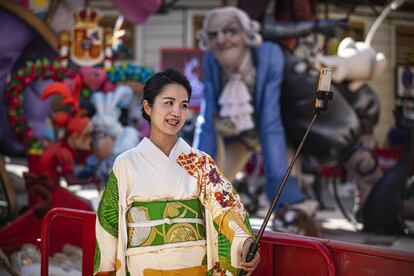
{"x": 346, "y": 133}
{"x": 351, "y": 118}
{"x": 28, "y": 31}
{"x": 78, "y": 128}
{"x": 241, "y": 112}
{"x": 17, "y": 37}
{"x": 379, "y": 197}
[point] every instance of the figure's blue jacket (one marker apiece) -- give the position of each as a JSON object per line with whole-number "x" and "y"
{"x": 268, "y": 60}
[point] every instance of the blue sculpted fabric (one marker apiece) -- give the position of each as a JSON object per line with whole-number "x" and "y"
{"x": 269, "y": 63}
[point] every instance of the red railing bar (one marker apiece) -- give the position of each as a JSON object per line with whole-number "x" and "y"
{"x": 373, "y": 251}
{"x": 89, "y": 218}
{"x": 309, "y": 243}
{"x": 47, "y": 223}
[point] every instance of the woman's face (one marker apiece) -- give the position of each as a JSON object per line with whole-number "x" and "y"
{"x": 225, "y": 40}
{"x": 169, "y": 110}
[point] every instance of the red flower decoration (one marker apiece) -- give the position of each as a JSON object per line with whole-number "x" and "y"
{"x": 21, "y": 120}
{"x": 26, "y": 80}
{"x": 28, "y": 135}
{"x": 14, "y": 102}
{"x": 218, "y": 195}
{"x": 225, "y": 199}
{"x": 14, "y": 93}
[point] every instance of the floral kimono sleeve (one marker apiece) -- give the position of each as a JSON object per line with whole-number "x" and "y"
{"x": 107, "y": 228}
{"x": 227, "y": 223}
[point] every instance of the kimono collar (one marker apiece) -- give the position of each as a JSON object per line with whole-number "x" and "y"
{"x": 156, "y": 156}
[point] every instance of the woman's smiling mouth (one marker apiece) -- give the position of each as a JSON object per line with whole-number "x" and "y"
{"x": 173, "y": 122}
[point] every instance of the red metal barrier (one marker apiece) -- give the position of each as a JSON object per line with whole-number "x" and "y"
{"x": 88, "y": 236}
{"x": 26, "y": 227}
{"x": 364, "y": 260}
{"x": 279, "y": 252}
{"x": 282, "y": 254}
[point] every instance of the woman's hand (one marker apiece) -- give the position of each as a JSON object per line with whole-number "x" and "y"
{"x": 252, "y": 265}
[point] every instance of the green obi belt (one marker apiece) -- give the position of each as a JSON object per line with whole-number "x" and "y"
{"x": 162, "y": 222}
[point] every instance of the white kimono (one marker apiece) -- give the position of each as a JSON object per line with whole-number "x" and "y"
{"x": 146, "y": 174}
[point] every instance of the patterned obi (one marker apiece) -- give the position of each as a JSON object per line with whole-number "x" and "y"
{"x": 163, "y": 222}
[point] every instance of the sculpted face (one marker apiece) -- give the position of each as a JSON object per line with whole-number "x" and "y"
{"x": 81, "y": 141}
{"x": 225, "y": 40}
{"x": 102, "y": 144}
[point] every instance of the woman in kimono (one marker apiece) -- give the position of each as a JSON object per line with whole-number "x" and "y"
{"x": 167, "y": 209}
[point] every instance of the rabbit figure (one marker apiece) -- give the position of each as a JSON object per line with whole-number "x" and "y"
{"x": 107, "y": 115}
{"x": 110, "y": 138}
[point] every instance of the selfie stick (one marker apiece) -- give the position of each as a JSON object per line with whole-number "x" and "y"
{"x": 323, "y": 96}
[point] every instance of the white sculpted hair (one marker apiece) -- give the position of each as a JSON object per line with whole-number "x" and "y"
{"x": 251, "y": 28}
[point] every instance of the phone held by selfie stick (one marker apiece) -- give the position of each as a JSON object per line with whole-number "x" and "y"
{"x": 323, "y": 96}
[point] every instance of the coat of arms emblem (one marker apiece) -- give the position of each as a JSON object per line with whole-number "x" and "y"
{"x": 87, "y": 47}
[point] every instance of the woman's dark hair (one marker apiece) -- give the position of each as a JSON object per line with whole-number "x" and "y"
{"x": 156, "y": 84}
